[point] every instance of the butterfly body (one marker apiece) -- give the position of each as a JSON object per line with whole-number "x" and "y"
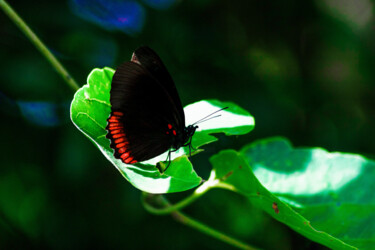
{"x": 147, "y": 118}
{"x": 183, "y": 139}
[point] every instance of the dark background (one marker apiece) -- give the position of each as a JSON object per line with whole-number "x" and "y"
{"x": 303, "y": 69}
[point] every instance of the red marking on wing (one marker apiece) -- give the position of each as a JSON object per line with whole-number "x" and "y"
{"x": 128, "y": 160}
{"x": 118, "y": 135}
{"x": 169, "y": 126}
{"x": 114, "y": 128}
{"x": 121, "y": 145}
{"x": 117, "y": 113}
{"x": 114, "y": 124}
{"x": 121, "y": 150}
{"x": 124, "y": 156}
{"x": 114, "y": 119}
{"x": 174, "y": 132}
{"x": 116, "y": 131}
{"x": 118, "y": 138}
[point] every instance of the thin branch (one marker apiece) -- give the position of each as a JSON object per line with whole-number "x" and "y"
{"x": 160, "y": 201}
{"x": 159, "y": 205}
{"x": 211, "y": 183}
{"x": 210, "y": 231}
{"x": 39, "y": 44}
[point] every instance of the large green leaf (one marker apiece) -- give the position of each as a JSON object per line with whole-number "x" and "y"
{"x": 234, "y": 173}
{"x": 90, "y": 109}
{"x": 334, "y": 191}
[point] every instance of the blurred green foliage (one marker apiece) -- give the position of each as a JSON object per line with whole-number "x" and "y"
{"x": 304, "y": 69}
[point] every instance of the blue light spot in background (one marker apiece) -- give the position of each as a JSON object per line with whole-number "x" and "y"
{"x": 159, "y": 4}
{"x": 127, "y": 16}
{"x": 40, "y": 113}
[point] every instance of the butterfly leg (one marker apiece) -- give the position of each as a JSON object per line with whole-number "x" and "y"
{"x": 168, "y": 159}
{"x": 190, "y": 146}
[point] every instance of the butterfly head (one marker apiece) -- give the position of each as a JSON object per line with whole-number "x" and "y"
{"x": 184, "y": 138}
{"x": 189, "y": 132}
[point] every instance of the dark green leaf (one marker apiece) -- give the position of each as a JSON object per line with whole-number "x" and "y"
{"x": 90, "y": 109}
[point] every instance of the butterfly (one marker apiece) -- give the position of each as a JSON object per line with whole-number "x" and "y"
{"x": 147, "y": 117}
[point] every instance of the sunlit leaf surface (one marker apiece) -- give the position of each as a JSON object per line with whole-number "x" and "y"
{"x": 233, "y": 170}
{"x": 90, "y": 109}
{"x": 334, "y": 191}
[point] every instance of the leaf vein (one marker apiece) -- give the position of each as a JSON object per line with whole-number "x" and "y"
{"x": 92, "y": 119}
{"x": 99, "y": 101}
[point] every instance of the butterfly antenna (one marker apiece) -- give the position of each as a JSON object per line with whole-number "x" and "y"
{"x": 207, "y": 119}
{"x": 201, "y": 120}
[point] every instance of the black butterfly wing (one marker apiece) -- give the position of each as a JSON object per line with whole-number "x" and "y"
{"x": 144, "y": 120}
{"x": 152, "y": 62}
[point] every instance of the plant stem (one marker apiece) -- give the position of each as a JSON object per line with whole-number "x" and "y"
{"x": 211, "y": 183}
{"x": 160, "y": 200}
{"x": 210, "y": 231}
{"x": 164, "y": 207}
{"x": 39, "y": 44}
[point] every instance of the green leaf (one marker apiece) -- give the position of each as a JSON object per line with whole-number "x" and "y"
{"x": 234, "y": 173}
{"x": 90, "y": 109}
{"x": 334, "y": 191}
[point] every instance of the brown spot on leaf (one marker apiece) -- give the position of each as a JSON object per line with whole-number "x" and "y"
{"x": 240, "y": 167}
{"x": 274, "y": 207}
{"x": 226, "y": 176}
